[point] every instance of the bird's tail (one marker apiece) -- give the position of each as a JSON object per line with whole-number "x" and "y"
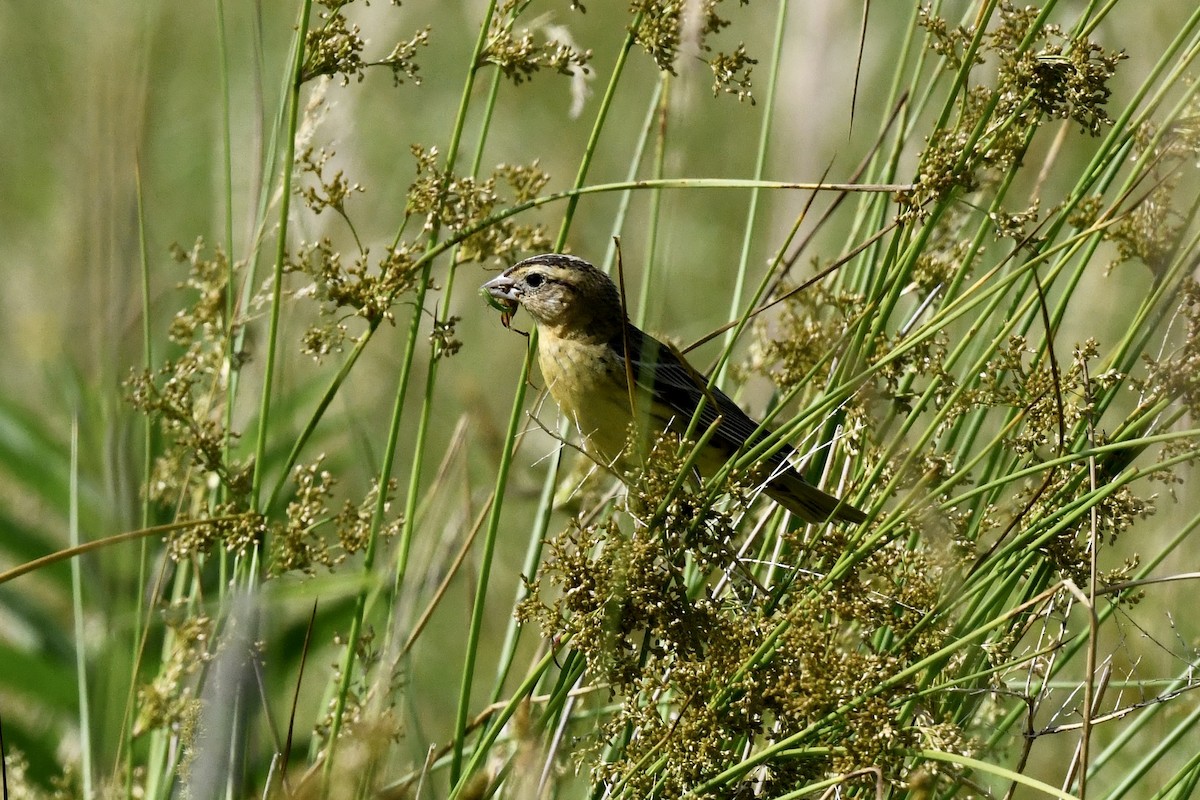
{"x": 808, "y": 502}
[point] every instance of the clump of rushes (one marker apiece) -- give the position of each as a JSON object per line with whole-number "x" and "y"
{"x": 196, "y": 472}
{"x": 458, "y": 203}
{"x": 170, "y": 701}
{"x": 302, "y": 541}
{"x": 946, "y": 368}
{"x": 1041, "y": 73}
{"x": 663, "y": 28}
{"x": 202, "y": 472}
{"x": 999, "y": 455}
{"x": 370, "y": 287}
{"x": 335, "y": 47}
{"x": 698, "y": 674}
{"x": 520, "y": 56}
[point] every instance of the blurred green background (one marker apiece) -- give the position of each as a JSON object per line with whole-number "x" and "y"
{"x": 101, "y": 98}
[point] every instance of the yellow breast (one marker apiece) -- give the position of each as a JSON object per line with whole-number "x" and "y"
{"x": 588, "y": 383}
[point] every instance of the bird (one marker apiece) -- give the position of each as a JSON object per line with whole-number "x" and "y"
{"x": 589, "y": 352}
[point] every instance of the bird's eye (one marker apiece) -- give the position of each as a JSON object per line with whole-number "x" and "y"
{"x": 534, "y": 281}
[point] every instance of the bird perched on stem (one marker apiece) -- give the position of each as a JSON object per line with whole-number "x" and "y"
{"x": 605, "y": 373}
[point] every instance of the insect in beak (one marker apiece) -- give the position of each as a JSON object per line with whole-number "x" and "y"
{"x": 501, "y": 294}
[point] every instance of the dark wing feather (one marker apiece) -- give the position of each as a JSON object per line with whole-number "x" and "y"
{"x": 659, "y": 370}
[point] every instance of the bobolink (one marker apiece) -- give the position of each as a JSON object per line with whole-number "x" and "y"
{"x": 583, "y": 340}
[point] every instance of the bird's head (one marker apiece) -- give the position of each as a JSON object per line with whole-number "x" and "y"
{"x": 560, "y": 292}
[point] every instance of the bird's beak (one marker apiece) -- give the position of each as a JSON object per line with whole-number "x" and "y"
{"x": 502, "y": 287}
